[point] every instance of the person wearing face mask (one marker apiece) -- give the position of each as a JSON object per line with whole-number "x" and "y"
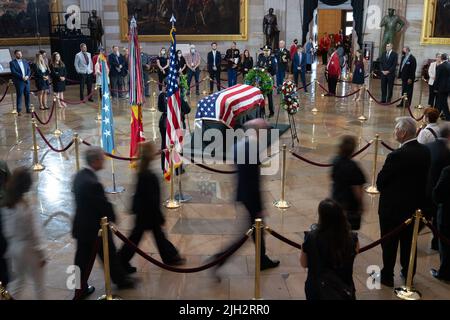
{"x": 268, "y": 62}
{"x": 117, "y": 64}
{"x": 407, "y": 73}
{"x": 214, "y": 62}
{"x": 193, "y": 69}
{"x": 163, "y": 64}
{"x": 181, "y": 63}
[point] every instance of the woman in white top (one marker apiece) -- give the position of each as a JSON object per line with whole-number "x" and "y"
{"x": 22, "y": 229}
{"x": 432, "y": 75}
{"x": 431, "y": 132}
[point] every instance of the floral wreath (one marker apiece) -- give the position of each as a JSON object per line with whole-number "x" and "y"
{"x": 259, "y": 78}
{"x": 289, "y": 101}
{"x": 184, "y": 87}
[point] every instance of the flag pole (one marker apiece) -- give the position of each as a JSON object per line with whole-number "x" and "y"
{"x": 180, "y": 196}
{"x": 114, "y": 189}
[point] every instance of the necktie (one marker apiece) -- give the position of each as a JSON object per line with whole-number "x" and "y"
{"x": 86, "y": 59}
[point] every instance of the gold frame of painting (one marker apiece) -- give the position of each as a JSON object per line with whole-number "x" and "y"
{"x": 428, "y": 24}
{"x": 243, "y": 28}
{"x": 55, "y": 6}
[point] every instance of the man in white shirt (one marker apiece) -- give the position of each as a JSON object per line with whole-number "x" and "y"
{"x": 85, "y": 69}
{"x": 432, "y": 75}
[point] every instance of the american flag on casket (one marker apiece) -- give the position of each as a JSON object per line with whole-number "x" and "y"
{"x": 229, "y": 104}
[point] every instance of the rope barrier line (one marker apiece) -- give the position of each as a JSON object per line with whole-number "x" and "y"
{"x": 283, "y": 239}
{"x": 110, "y": 154}
{"x": 340, "y": 97}
{"x": 4, "y": 94}
{"x": 307, "y": 85}
{"x": 327, "y": 165}
{"x": 211, "y": 264}
{"x": 384, "y": 144}
{"x": 79, "y": 101}
{"x": 80, "y": 291}
{"x": 394, "y": 232}
{"x": 211, "y": 169}
{"x": 436, "y": 232}
{"x": 382, "y": 103}
{"x": 44, "y": 123}
{"x": 412, "y": 115}
{"x": 350, "y": 81}
{"x": 50, "y": 146}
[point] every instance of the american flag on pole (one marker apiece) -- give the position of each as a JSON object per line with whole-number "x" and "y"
{"x": 136, "y": 84}
{"x": 228, "y": 104}
{"x": 107, "y": 112}
{"x": 174, "y": 130}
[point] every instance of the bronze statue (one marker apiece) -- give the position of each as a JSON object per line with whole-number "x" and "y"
{"x": 270, "y": 28}
{"x": 96, "y": 27}
{"x": 392, "y": 24}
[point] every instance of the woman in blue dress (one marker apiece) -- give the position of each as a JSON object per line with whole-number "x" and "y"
{"x": 358, "y": 73}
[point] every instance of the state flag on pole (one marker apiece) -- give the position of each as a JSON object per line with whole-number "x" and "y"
{"x": 107, "y": 112}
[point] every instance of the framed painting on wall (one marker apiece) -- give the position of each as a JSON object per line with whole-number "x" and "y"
{"x": 25, "y": 22}
{"x": 197, "y": 20}
{"x": 435, "y": 24}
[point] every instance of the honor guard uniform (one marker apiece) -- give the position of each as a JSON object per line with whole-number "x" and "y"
{"x": 268, "y": 62}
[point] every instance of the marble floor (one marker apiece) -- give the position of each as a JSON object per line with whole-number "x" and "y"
{"x": 205, "y": 225}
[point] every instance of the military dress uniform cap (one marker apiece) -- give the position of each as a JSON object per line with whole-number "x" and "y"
{"x": 266, "y": 48}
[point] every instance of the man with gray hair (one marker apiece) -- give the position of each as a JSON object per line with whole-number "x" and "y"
{"x": 402, "y": 184}
{"x": 407, "y": 73}
{"x": 91, "y": 206}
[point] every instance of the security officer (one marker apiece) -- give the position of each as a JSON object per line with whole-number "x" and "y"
{"x": 268, "y": 62}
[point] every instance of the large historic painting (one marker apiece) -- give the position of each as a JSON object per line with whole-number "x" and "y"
{"x": 196, "y": 19}
{"x": 435, "y": 25}
{"x": 21, "y": 21}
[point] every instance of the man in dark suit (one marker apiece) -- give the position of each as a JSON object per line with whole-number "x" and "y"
{"x": 388, "y": 62}
{"x": 299, "y": 66}
{"x": 91, "y": 206}
{"x": 116, "y": 72}
{"x": 21, "y": 72}
{"x": 441, "y": 198}
{"x": 407, "y": 73}
{"x": 440, "y": 158}
{"x": 248, "y": 184}
{"x": 214, "y": 62}
{"x": 442, "y": 86}
{"x": 402, "y": 185}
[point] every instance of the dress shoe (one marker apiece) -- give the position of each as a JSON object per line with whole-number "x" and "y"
{"x": 399, "y": 106}
{"x": 197, "y": 93}
{"x": 128, "y": 268}
{"x": 388, "y": 282}
{"x": 19, "y": 114}
{"x": 126, "y": 283}
{"x": 179, "y": 261}
{"x": 91, "y": 100}
{"x": 271, "y": 114}
{"x": 269, "y": 264}
{"x": 89, "y": 290}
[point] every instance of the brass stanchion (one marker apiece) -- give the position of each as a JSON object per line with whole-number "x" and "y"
{"x": 282, "y": 203}
{"x": 4, "y": 294}
{"x": 57, "y": 132}
{"x": 181, "y": 196}
{"x": 207, "y": 81}
{"x": 99, "y": 103}
{"x": 258, "y": 231}
{"x": 154, "y": 103}
{"x": 316, "y": 86}
{"x": 108, "y": 292}
{"x": 14, "y": 109}
{"x": 362, "y": 117}
{"x": 405, "y": 104}
{"x": 77, "y": 151}
{"x": 36, "y": 165}
{"x": 420, "y": 106}
{"x": 172, "y": 203}
{"x": 408, "y": 292}
{"x": 32, "y": 147}
{"x": 373, "y": 188}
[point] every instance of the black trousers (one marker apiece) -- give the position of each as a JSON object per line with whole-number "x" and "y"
{"x": 325, "y": 58}
{"x": 332, "y": 83}
{"x": 83, "y": 257}
{"x": 431, "y": 96}
{"x": 4, "y": 278}
{"x": 444, "y": 253}
{"x": 442, "y": 104}
{"x": 270, "y": 98}
{"x": 390, "y": 247}
{"x": 85, "y": 79}
{"x": 215, "y": 76}
{"x": 302, "y": 77}
{"x": 116, "y": 86}
{"x": 161, "y": 78}
{"x": 166, "y": 249}
{"x": 387, "y": 87}
{"x": 408, "y": 89}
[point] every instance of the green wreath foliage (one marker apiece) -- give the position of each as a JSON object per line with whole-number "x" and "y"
{"x": 184, "y": 87}
{"x": 260, "y": 79}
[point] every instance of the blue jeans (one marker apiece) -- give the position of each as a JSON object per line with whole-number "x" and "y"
{"x": 281, "y": 73}
{"x": 197, "y": 79}
{"x": 22, "y": 89}
{"x": 232, "y": 77}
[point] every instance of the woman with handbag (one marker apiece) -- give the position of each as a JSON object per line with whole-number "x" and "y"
{"x": 328, "y": 253}
{"x": 348, "y": 180}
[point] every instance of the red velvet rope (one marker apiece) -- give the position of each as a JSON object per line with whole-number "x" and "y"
{"x": 212, "y": 169}
{"x": 50, "y": 146}
{"x": 381, "y": 103}
{"x": 72, "y": 81}
{"x": 384, "y": 144}
{"x": 412, "y": 115}
{"x": 349, "y": 81}
{"x": 436, "y": 233}
{"x": 211, "y": 264}
{"x": 340, "y": 97}
{"x": 111, "y": 155}
{"x": 284, "y": 239}
{"x": 79, "y": 101}
{"x": 80, "y": 291}
{"x": 307, "y": 85}
{"x": 327, "y": 165}
{"x": 44, "y": 123}
{"x": 397, "y": 230}
{"x": 4, "y": 94}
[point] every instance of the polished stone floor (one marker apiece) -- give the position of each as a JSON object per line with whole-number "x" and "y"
{"x": 205, "y": 225}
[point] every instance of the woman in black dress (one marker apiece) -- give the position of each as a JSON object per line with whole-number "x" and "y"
{"x": 247, "y": 63}
{"x": 41, "y": 77}
{"x": 348, "y": 180}
{"x": 147, "y": 208}
{"x": 328, "y": 252}
{"x": 358, "y": 74}
{"x": 181, "y": 62}
{"x": 58, "y": 74}
{"x": 163, "y": 66}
